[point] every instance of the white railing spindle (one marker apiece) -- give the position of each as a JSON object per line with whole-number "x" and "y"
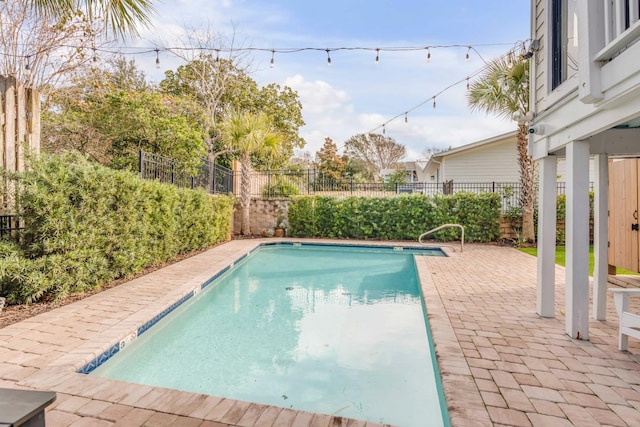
{"x": 634, "y": 12}
{"x": 619, "y": 17}
{"x": 608, "y": 21}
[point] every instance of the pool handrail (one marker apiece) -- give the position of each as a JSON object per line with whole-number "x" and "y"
{"x": 440, "y": 228}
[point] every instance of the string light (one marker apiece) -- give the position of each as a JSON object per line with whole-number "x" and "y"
{"x": 383, "y": 130}
{"x": 95, "y": 56}
{"x": 273, "y": 54}
{"x": 406, "y": 119}
{"x": 137, "y": 51}
{"x": 133, "y": 51}
{"x": 466, "y": 79}
{"x": 468, "y": 58}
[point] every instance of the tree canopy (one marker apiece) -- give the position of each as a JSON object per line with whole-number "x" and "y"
{"x": 220, "y": 87}
{"x": 111, "y": 114}
{"x": 376, "y": 151}
{"x": 330, "y": 164}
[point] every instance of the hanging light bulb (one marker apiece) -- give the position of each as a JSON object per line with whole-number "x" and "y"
{"x": 434, "y": 102}
{"x": 468, "y": 58}
{"x": 383, "y": 130}
{"x": 217, "y": 55}
{"x": 377, "y": 55}
{"x": 406, "y": 119}
{"x": 157, "y": 58}
{"x": 428, "y": 55}
{"x": 95, "y": 56}
{"x": 467, "y": 83}
{"x": 509, "y": 60}
{"x": 328, "y": 57}
{"x": 27, "y": 66}
{"x": 273, "y": 54}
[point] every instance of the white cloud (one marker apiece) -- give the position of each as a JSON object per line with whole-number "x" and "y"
{"x": 318, "y": 97}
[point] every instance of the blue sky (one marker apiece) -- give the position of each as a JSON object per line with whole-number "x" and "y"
{"x": 355, "y": 95}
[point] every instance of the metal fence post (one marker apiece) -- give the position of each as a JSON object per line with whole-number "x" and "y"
{"x": 213, "y": 177}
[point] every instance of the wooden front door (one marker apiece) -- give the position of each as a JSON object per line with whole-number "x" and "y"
{"x": 623, "y": 214}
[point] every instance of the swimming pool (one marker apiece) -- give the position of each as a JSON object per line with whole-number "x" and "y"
{"x": 325, "y": 329}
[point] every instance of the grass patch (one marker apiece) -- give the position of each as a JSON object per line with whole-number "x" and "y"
{"x": 560, "y": 257}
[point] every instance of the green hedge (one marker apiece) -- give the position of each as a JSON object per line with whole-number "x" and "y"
{"x": 86, "y": 224}
{"x": 396, "y": 218}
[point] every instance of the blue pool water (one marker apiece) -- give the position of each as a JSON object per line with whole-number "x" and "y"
{"x": 333, "y": 330}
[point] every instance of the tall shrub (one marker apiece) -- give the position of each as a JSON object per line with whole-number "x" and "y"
{"x": 86, "y": 224}
{"x": 396, "y": 218}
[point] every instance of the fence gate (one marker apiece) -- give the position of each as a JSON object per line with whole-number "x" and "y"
{"x": 624, "y": 214}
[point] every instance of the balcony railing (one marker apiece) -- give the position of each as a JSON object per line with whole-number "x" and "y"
{"x": 621, "y": 26}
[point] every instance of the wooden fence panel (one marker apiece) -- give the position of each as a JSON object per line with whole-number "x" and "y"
{"x": 19, "y": 130}
{"x": 9, "y": 100}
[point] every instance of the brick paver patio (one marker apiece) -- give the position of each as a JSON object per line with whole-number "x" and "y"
{"x": 501, "y": 364}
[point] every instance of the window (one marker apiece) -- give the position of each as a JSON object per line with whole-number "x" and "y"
{"x": 564, "y": 41}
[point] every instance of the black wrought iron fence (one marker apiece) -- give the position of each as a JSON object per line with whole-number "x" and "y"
{"x": 8, "y": 225}
{"x": 209, "y": 176}
{"x": 281, "y": 183}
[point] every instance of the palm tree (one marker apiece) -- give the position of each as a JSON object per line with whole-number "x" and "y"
{"x": 122, "y": 16}
{"x": 503, "y": 89}
{"x": 248, "y": 134}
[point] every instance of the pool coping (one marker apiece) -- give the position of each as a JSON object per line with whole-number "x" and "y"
{"x": 61, "y": 374}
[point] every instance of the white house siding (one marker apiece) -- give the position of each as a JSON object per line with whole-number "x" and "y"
{"x": 497, "y": 162}
{"x": 538, "y": 61}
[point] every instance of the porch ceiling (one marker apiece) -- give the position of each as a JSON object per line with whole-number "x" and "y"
{"x": 621, "y": 142}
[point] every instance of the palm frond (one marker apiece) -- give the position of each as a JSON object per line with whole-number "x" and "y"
{"x": 503, "y": 89}
{"x": 122, "y": 17}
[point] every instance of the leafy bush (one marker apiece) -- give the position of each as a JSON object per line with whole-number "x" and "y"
{"x": 396, "y": 218}
{"x": 561, "y": 214}
{"x": 86, "y": 224}
{"x": 280, "y": 187}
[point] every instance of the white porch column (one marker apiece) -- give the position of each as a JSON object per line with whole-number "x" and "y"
{"x": 600, "y": 237}
{"x": 547, "y": 198}
{"x": 577, "y": 236}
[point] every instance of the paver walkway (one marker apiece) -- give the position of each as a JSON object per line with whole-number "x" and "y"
{"x": 501, "y": 364}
